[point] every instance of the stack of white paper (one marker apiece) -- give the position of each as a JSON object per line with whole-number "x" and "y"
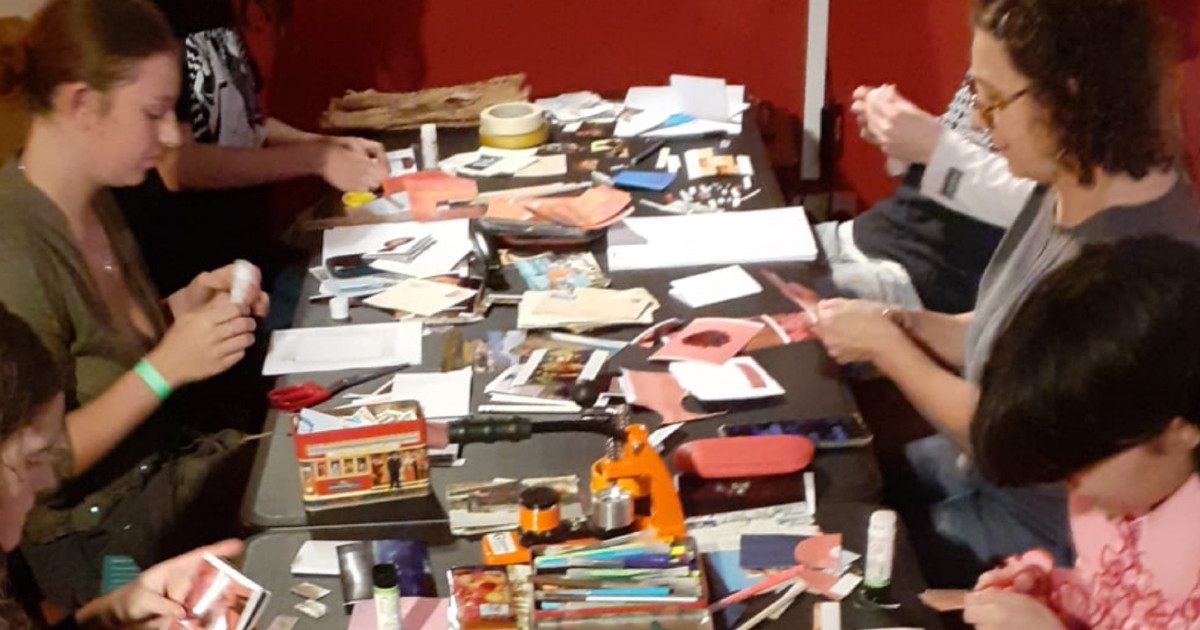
{"x": 720, "y": 285}
{"x": 712, "y": 105}
{"x": 759, "y": 236}
{"x": 442, "y": 395}
{"x": 574, "y": 106}
{"x": 452, "y": 243}
{"x": 343, "y": 348}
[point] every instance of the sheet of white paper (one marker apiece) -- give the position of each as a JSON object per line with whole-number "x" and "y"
{"x": 573, "y": 106}
{"x": 735, "y": 96}
{"x": 394, "y": 206}
{"x": 398, "y": 159}
{"x": 442, "y": 395}
{"x": 452, "y": 243}
{"x": 317, "y": 557}
{"x": 545, "y": 166}
{"x": 662, "y": 98}
{"x": 640, "y": 123}
{"x": 703, "y": 97}
{"x": 779, "y": 234}
{"x": 708, "y": 382}
{"x": 660, "y": 435}
{"x": 512, "y": 399}
{"x": 697, "y": 128}
{"x": 343, "y": 348}
{"x": 726, "y": 283}
{"x": 358, "y": 239}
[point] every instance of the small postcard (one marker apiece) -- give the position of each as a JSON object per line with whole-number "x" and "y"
{"x": 421, "y": 297}
{"x": 221, "y": 598}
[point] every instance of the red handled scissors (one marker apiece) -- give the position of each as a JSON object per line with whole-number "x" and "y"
{"x": 297, "y": 397}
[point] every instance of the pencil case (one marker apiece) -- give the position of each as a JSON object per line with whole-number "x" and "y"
{"x": 751, "y": 456}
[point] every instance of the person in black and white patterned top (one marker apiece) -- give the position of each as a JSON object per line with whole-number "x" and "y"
{"x": 206, "y": 202}
{"x": 222, "y": 107}
{"x": 927, "y": 245}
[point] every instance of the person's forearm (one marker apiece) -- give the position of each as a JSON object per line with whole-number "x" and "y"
{"x": 942, "y": 335}
{"x": 208, "y": 166}
{"x": 942, "y": 397}
{"x": 279, "y": 132}
{"x": 99, "y": 426}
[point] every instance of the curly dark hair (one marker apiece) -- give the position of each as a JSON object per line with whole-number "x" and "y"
{"x": 1102, "y": 68}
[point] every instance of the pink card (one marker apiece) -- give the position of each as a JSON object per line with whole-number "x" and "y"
{"x": 820, "y": 552}
{"x": 597, "y": 207}
{"x": 416, "y": 613}
{"x": 709, "y": 339}
{"x": 801, "y": 295}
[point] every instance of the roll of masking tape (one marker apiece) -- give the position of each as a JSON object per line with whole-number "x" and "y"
{"x": 511, "y": 119}
{"x": 534, "y": 138}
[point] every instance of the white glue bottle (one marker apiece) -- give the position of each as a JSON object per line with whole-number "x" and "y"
{"x": 429, "y": 146}
{"x": 881, "y": 544}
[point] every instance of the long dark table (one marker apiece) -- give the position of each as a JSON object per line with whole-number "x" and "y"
{"x": 848, "y": 481}
{"x": 814, "y": 387}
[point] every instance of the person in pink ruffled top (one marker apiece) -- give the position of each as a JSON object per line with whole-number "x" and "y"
{"x": 1096, "y": 381}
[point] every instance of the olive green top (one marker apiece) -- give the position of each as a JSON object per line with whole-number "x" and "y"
{"x": 45, "y": 280}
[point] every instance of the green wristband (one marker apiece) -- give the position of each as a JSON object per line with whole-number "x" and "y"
{"x": 153, "y": 379}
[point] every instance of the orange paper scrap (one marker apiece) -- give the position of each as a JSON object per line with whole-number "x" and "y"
{"x": 426, "y": 189}
{"x": 597, "y": 207}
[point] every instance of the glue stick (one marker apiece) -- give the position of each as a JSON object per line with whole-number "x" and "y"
{"x": 386, "y": 597}
{"x": 881, "y": 539}
{"x": 429, "y": 146}
{"x": 243, "y": 277}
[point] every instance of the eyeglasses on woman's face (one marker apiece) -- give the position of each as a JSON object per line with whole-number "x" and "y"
{"x": 987, "y": 108}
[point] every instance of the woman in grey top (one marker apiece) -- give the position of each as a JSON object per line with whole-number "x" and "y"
{"x": 1079, "y": 96}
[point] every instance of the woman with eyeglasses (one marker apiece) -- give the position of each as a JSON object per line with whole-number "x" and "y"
{"x": 1078, "y": 95}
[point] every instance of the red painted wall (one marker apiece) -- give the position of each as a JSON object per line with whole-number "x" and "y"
{"x": 920, "y": 45}
{"x": 1191, "y": 115}
{"x": 561, "y": 46}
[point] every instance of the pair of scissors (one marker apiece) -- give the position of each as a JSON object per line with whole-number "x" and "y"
{"x": 297, "y": 397}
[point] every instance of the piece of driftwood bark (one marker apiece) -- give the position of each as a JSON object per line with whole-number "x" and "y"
{"x": 453, "y": 106}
